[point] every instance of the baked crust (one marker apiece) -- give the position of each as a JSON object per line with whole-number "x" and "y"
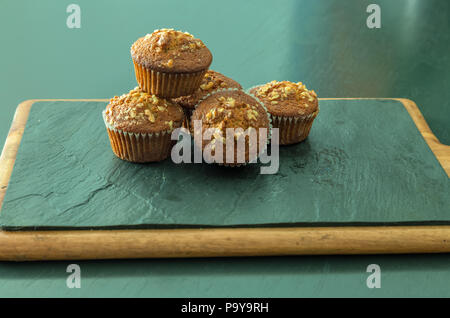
{"x": 211, "y": 81}
{"x": 231, "y": 109}
{"x": 140, "y": 112}
{"x": 287, "y": 98}
{"x": 171, "y": 51}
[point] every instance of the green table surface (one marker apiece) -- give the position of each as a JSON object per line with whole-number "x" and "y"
{"x": 365, "y": 162}
{"x": 326, "y": 44}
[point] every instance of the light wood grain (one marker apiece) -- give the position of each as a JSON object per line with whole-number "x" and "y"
{"x": 108, "y": 244}
{"x": 71, "y": 245}
{"x": 11, "y": 146}
{"x": 442, "y": 152}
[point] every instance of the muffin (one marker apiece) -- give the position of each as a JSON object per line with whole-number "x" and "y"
{"x": 170, "y": 63}
{"x": 230, "y": 108}
{"x": 292, "y": 107}
{"x": 211, "y": 81}
{"x": 139, "y": 126}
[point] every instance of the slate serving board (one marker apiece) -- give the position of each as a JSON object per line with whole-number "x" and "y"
{"x": 365, "y": 163}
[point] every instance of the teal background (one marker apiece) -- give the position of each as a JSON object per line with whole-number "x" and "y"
{"x": 323, "y": 43}
{"x": 349, "y": 171}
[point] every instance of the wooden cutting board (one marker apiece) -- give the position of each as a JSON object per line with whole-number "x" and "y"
{"x": 365, "y": 181}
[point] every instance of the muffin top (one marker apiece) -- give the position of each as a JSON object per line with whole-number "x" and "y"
{"x": 230, "y": 109}
{"x": 171, "y": 51}
{"x": 287, "y": 98}
{"x": 140, "y": 112}
{"x": 211, "y": 81}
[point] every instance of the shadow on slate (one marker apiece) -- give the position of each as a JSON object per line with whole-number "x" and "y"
{"x": 364, "y": 163}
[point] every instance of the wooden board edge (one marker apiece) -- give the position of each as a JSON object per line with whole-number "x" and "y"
{"x": 188, "y": 243}
{"x": 440, "y": 151}
{"x": 11, "y": 146}
{"x": 12, "y": 143}
{"x": 114, "y": 244}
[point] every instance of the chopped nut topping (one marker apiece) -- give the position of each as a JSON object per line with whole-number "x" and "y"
{"x": 251, "y": 114}
{"x": 212, "y": 81}
{"x": 139, "y": 107}
{"x": 231, "y": 102}
{"x": 276, "y": 92}
{"x": 151, "y": 117}
{"x": 206, "y": 87}
{"x": 263, "y": 90}
{"x": 170, "y": 123}
{"x": 230, "y": 113}
{"x": 274, "y": 95}
{"x": 169, "y": 39}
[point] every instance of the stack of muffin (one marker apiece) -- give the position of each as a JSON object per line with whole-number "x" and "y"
{"x": 176, "y": 89}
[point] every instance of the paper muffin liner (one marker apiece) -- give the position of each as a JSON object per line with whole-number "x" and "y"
{"x": 139, "y": 147}
{"x": 292, "y": 129}
{"x": 167, "y": 85}
{"x": 240, "y": 164}
{"x": 187, "y": 118}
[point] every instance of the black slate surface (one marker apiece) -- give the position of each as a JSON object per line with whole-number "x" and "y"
{"x": 364, "y": 162}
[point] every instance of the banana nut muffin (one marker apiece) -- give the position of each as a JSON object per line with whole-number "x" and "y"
{"x": 139, "y": 126}
{"x": 211, "y": 81}
{"x": 231, "y": 108}
{"x": 292, "y": 107}
{"x": 170, "y": 63}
